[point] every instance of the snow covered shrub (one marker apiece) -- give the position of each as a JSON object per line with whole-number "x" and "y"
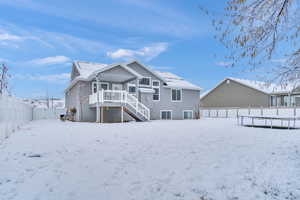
{"x": 73, "y": 112}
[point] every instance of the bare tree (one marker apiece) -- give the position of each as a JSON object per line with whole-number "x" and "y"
{"x": 3, "y": 79}
{"x": 258, "y": 31}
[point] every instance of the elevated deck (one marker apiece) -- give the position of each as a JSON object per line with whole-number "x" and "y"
{"x": 120, "y": 98}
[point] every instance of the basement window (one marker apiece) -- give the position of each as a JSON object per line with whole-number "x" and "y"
{"x": 166, "y": 114}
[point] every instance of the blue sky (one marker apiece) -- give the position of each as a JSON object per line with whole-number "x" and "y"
{"x": 40, "y": 39}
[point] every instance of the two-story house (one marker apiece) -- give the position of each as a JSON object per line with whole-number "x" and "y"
{"x": 129, "y": 91}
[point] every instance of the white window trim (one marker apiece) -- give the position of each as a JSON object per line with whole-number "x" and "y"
{"x": 158, "y": 87}
{"x": 131, "y": 85}
{"x": 104, "y": 83}
{"x": 187, "y": 111}
{"x": 180, "y": 95}
{"x": 166, "y": 111}
{"x": 150, "y": 82}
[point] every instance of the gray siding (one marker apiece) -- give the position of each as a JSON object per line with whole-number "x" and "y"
{"x": 190, "y": 98}
{"x": 190, "y": 101}
{"x": 234, "y": 94}
{"x": 78, "y": 97}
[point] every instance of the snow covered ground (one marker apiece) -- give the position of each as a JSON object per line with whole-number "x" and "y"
{"x": 211, "y": 159}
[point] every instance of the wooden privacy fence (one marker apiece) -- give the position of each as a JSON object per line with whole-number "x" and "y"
{"x": 235, "y": 112}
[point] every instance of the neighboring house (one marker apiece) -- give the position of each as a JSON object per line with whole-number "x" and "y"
{"x": 52, "y": 103}
{"x": 127, "y": 91}
{"x": 234, "y": 92}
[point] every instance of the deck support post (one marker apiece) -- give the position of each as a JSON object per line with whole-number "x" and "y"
{"x": 122, "y": 114}
{"x": 98, "y": 114}
{"x": 102, "y": 114}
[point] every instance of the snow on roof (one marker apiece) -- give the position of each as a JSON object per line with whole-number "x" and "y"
{"x": 88, "y": 68}
{"x": 264, "y": 86}
{"x": 268, "y": 88}
{"x": 175, "y": 81}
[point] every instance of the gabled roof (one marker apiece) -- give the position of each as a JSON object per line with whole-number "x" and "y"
{"x": 171, "y": 80}
{"x": 148, "y": 69}
{"x": 269, "y": 88}
{"x": 88, "y": 71}
{"x": 116, "y": 65}
{"x": 266, "y": 88}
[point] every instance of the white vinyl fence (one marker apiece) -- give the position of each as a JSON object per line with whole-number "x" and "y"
{"x": 47, "y": 113}
{"x": 13, "y": 113}
{"x": 234, "y": 112}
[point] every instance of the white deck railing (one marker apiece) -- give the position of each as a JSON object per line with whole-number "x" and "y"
{"x": 120, "y": 96}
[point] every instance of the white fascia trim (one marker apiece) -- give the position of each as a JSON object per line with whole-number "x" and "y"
{"x": 148, "y": 69}
{"x": 171, "y": 111}
{"x": 99, "y": 71}
{"x": 73, "y": 82}
{"x": 116, "y": 65}
{"x": 184, "y": 88}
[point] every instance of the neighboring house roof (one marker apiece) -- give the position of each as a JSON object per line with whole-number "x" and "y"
{"x": 88, "y": 70}
{"x": 267, "y": 88}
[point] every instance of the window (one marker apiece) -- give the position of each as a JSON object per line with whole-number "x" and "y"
{"x": 187, "y": 114}
{"x": 156, "y": 88}
{"x": 166, "y": 114}
{"x": 155, "y": 83}
{"x": 176, "y": 95}
{"x": 94, "y": 87}
{"x": 131, "y": 89}
{"x": 145, "y": 81}
{"x": 286, "y": 100}
{"x": 103, "y": 86}
{"x": 273, "y": 101}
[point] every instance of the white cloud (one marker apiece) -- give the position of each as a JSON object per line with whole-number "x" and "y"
{"x": 155, "y": 17}
{"x": 279, "y": 60}
{"x": 57, "y": 78}
{"x": 12, "y": 37}
{"x": 224, "y": 64}
{"x": 148, "y": 52}
{"x": 9, "y": 37}
{"x": 51, "y": 60}
{"x": 3, "y": 60}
